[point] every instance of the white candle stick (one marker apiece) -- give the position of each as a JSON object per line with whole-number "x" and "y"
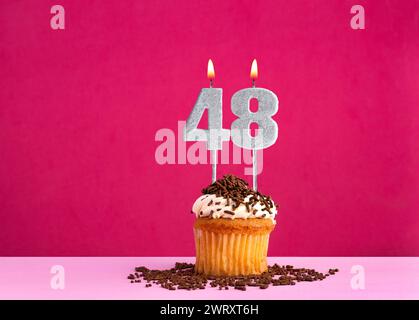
{"x": 214, "y": 160}
{"x": 255, "y": 169}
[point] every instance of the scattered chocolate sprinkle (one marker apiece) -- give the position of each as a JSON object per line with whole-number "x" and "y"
{"x": 183, "y": 276}
{"x": 333, "y": 271}
{"x": 229, "y": 212}
{"x": 242, "y": 288}
{"x": 210, "y": 203}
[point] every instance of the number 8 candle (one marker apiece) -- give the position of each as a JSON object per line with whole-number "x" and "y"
{"x": 267, "y": 133}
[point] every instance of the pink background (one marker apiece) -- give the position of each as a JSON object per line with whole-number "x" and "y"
{"x": 79, "y": 109}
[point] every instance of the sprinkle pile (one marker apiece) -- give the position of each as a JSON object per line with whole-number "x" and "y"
{"x": 236, "y": 190}
{"x": 183, "y": 276}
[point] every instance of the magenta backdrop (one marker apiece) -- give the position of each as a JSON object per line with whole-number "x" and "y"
{"x": 79, "y": 109}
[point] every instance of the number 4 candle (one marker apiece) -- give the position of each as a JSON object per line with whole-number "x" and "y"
{"x": 211, "y": 99}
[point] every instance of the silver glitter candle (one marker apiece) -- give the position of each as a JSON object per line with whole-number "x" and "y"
{"x": 268, "y": 129}
{"x": 267, "y": 107}
{"x": 211, "y": 99}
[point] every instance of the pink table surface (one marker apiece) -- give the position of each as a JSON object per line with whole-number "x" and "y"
{"x": 105, "y": 278}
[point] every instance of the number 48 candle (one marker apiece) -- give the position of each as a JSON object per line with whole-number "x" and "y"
{"x": 211, "y": 99}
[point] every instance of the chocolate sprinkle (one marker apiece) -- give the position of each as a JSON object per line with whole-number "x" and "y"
{"x": 183, "y": 276}
{"x": 236, "y": 190}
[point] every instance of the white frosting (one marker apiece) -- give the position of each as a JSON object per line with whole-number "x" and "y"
{"x": 209, "y": 205}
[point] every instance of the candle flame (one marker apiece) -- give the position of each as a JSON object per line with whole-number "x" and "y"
{"x": 211, "y": 72}
{"x": 254, "y": 70}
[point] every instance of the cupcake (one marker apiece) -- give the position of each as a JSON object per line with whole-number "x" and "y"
{"x": 232, "y": 228}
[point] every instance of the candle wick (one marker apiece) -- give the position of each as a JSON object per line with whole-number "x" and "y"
{"x": 253, "y": 83}
{"x": 211, "y": 83}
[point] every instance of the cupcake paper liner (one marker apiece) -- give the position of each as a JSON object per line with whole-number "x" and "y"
{"x": 219, "y": 253}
